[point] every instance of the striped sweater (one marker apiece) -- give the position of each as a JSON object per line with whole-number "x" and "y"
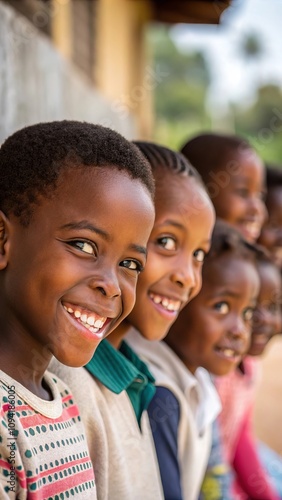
{"x": 43, "y": 450}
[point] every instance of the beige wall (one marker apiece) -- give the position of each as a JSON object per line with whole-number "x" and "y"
{"x": 120, "y": 70}
{"x": 38, "y": 84}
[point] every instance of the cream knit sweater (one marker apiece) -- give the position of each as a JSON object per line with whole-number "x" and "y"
{"x": 123, "y": 457}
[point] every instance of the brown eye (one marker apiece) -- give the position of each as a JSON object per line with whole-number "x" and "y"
{"x": 167, "y": 242}
{"x": 84, "y": 246}
{"x": 248, "y": 314}
{"x": 200, "y": 255}
{"x": 222, "y": 307}
{"x": 132, "y": 264}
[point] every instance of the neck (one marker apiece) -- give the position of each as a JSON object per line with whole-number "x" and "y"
{"x": 25, "y": 365}
{"x": 178, "y": 353}
{"x": 117, "y": 336}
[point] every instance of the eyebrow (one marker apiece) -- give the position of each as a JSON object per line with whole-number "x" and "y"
{"x": 84, "y": 224}
{"x": 169, "y": 222}
{"x": 225, "y": 291}
{"x": 139, "y": 249}
{"x": 232, "y": 294}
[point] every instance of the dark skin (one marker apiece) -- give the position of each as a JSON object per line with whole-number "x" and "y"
{"x": 214, "y": 329}
{"x": 271, "y": 235}
{"x": 177, "y": 245}
{"x": 71, "y": 267}
{"x": 238, "y": 195}
{"x": 267, "y": 316}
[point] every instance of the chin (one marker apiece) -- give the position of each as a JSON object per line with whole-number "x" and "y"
{"x": 75, "y": 361}
{"x": 154, "y": 337}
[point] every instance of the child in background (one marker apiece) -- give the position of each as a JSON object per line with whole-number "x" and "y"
{"x": 116, "y": 387}
{"x": 238, "y": 390}
{"x": 68, "y": 275}
{"x": 211, "y": 333}
{"x": 271, "y": 238}
{"x": 235, "y": 179}
{"x": 271, "y": 235}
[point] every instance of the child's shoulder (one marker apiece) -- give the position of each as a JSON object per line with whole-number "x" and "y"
{"x": 78, "y": 381}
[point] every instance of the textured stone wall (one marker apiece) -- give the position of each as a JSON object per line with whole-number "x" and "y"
{"x": 37, "y": 84}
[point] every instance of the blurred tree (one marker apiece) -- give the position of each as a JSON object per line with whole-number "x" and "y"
{"x": 262, "y": 123}
{"x": 251, "y": 47}
{"x": 180, "y": 96}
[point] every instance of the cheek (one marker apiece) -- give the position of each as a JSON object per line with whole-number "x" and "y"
{"x": 198, "y": 282}
{"x": 128, "y": 294}
{"x": 154, "y": 269}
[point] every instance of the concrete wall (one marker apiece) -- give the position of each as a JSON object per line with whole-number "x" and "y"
{"x": 37, "y": 84}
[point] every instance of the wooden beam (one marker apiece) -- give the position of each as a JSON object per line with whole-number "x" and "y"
{"x": 191, "y": 11}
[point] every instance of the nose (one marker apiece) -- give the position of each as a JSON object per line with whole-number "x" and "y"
{"x": 185, "y": 274}
{"x": 263, "y": 318}
{"x": 238, "y": 328}
{"x": 107, "y": 283}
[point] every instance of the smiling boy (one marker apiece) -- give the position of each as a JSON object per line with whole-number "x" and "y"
{"x": 68, "y": 273}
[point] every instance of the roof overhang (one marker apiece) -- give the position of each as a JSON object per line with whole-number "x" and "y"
{"x": 189, "y": 11}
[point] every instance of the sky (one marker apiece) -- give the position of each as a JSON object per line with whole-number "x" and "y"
{"x": 234, "y": 79}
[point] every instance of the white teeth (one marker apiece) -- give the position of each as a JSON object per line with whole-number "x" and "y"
{"x": 156, "y": 299}
{"x": 90, "y": 321}
{"x": 170, "y": 305}
{"x": 98, "y": 323}
{"x": 229, "y": 353}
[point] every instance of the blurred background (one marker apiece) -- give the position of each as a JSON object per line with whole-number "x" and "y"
{"x": 156, "y": 69}
{"x": 226, "y": 78}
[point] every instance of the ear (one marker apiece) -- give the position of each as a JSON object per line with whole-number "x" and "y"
{"x": 4, "y": 240}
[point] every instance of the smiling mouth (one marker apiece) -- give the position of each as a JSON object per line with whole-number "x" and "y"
{"x": 168, "y": 304}
{"x": 90, "y": 320}
{"x": 252, "y": 228}
{"x": 228, "y": 353}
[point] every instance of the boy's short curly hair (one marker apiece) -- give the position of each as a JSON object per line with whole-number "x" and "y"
{"x": 161, "y": 156}
{"x": 32, "y": 159}
{"x": 227, "y": 239}
{"x": 209, "y": 152}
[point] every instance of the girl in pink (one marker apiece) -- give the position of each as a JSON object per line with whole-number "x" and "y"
{"x": 237, "y": 393}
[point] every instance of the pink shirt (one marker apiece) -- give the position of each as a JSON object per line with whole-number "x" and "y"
{"x": 237, "y": 393}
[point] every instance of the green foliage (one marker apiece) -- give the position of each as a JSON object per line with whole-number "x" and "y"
{"x": 262, "y": 123}
{"x": 251, "y": 46}
{"x": 180, "y": 97}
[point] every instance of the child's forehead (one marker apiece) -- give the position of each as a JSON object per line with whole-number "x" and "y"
{"x": 185, "y": 199}
{"x": 89, "y": 191}
{"x": 225, "y": 265}
{"x": 269, "y": 274}
{"x": 243, "y": 163}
